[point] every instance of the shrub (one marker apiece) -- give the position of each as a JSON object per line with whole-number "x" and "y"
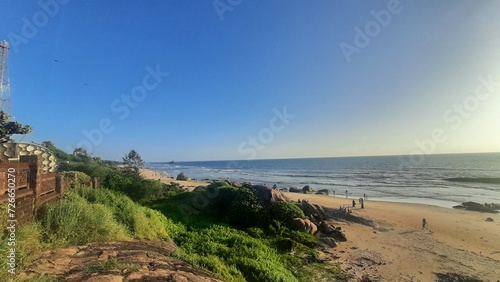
{"x": 80, "y": 179}
{"x": 285, "y": 212}
{"x": 247, "y": 210}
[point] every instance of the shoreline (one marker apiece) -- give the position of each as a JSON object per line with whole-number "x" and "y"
{"x": 158, "y": 175}
{"x": 398, "y": 248}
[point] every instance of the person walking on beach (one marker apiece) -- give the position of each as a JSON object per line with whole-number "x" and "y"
{"x": 424, "y": 223}
{"x": 353, "y": 203}
{"x": 346, "y": 193}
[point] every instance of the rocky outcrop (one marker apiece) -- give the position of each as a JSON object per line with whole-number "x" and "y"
{"x": 268, "y": 195}
{"x": 304, "y": 225}
{"x": 307, "y": 189}
{"x": 236, "y": 184}
{"x": 313, "y": 211}
{"x": 295, "y": 190}
{"x": 330, "y": 231}
{"x": 136, "y": 261}
{"x": 181, "y": 176}
{"x": 322, "y": 192}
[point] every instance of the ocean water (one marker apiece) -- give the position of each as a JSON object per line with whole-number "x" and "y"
{"x": 414, "y": 179}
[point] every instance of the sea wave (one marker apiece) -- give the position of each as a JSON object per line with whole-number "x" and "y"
{"x": 489, "y": 180}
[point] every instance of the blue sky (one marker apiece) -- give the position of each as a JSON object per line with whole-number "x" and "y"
{"x": 260, "y": 79}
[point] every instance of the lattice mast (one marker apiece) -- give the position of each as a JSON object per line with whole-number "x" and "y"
{"x": 5, "y": 105}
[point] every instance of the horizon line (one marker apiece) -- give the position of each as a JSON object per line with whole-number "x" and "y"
{"x": 330, "y": 157}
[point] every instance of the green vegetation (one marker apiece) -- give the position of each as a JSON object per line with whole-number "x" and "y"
{"x": 9, "y": 128}
{"x": 222, "y": 229}
{"x": 232, "y": 254}
{"x": 96, "y": 215}
{"x": 232, "y": 233}
{"x": 133, "y": 162}
{"x": 85, "y": 215}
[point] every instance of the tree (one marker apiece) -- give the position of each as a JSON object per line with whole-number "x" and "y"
{"x": 9, "y": 128}
{"x": 133, "y": 162}
{"x": 81, "y": 152}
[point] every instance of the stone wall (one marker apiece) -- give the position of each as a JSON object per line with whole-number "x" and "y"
{"x": 34, "y": 187}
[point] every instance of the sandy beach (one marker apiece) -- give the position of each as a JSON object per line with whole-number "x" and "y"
{"x": 158, "y": 175}
{"x": 397, "y": 248}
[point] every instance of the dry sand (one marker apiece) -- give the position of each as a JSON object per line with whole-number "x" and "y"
{"x": 398, "y": 248}
{"x": 158, "y": 175}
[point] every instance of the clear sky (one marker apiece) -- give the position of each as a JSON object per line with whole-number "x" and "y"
{"x": 230, "y": 79}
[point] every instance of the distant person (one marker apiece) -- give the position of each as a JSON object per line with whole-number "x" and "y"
{"x": 353, "y": 203}
{"x": 346, "y": 194}
{"x": 364, "y": 196}
{"x": 362, "y": 204}
{"x": 334, "y": 193}
{"x": 424, "y": 223}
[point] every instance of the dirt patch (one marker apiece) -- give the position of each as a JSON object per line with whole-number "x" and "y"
{"x": 137, "y": 261}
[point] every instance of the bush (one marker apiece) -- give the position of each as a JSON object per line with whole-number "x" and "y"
{"x": 247, "y": 210}
{"x": 285, "y": 212}
{"x": 81, "y": 179}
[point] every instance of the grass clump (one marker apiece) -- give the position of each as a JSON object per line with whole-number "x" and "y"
{"x": 74, "y": 221}
{"x": 28, "y": 241}
{"x": 141, "y": 222}
{"x": 94, "y": 215}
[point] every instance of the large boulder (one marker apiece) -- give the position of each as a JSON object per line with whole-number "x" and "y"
{"x": 268, "y": 195}
{"x": 323, "y": 192}
{"x": 236, "y": 184}
{"x": 314, "y": 212}
{"x": 295, "y": 190}
{"x": 304, "y": 225}
{"x": 331, "y": 231}
{"x": 307, "y": 189}
{"x": 181, "y": 176}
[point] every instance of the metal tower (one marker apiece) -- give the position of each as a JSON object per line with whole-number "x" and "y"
{"x": 4, "y": 78}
